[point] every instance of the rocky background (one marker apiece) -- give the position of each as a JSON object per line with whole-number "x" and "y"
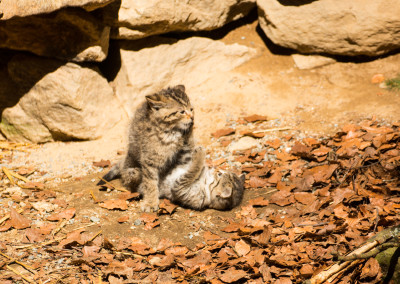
{"x": 70, "y": 70}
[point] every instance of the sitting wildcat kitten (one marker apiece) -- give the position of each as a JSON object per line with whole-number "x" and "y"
{"x": 161, "y": 131}
{"x": 192, "y": 184}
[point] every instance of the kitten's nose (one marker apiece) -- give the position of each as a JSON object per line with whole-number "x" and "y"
{"x": 189, "y": 114}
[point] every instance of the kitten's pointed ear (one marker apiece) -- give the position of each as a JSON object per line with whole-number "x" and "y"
{"x": 154, "y": 101}
{"x": 226, "y": 193}
{"x": 181, "y": 88}
{"x": 242, "y": 178}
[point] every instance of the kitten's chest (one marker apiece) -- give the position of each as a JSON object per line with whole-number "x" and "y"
{"x": 171, "y": 138}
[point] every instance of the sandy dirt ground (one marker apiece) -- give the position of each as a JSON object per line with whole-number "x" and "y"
{"x": 312, "y": 102}
{"x": 316, "y": 101}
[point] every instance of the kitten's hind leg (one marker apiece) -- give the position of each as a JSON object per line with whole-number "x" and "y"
{"x": 194, "y": 171}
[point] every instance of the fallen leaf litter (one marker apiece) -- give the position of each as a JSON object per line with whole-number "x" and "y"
{"x": 320, "y": 197}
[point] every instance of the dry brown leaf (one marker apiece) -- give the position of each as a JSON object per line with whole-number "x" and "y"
{"x": 200, "y": 259}
{"x": 34, "y": 235}
{"x": 72, "y": 238}
{"x": 283, "y": 280}
{"x": 102, "y": 164}
{"x": 232, "y": 227}
{"x": 148, "y": 217}
{"x": 65, "y": 214}
{"x": 123, "y": 219}
{"x": 255, "y": 117}
{"x": 18, "y": 221}
{"x": 282, "y": 198}
{"x": 33, "y": 185}
{"x": 242, "y": 248}
{"x": 90, "y": 251}
{"x": 256, "y": 182}
{"x": 218, "y": 162}
{"x": 264, "y": 237}
{"x": 114, "y": 204}
{"x": 371, "y": 269}
{"x": 259, "y": 201}
{"x": 138, "y": 246}
{"x": 301, "y": 150}
{"x": 210, "y": 238}
{"x": 232, "y": 275}
{"x": 6, "y": 226}
{"x": 163, "y": 262}
{"x": 128, "y": 195}
{"x": 167, "y": 206}
{"x": 276, "y": 143}
{"x": 177, "y": 250}
{"x": 149, "y": 226}
{"x": 223, "y": 132}
{"x": 253, "y": 134}
{"x": 305, "y": 198}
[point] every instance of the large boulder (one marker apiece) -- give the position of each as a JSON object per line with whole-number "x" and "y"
{"x": 351, "y": 28}
{"x": 62, "y": 101}
{"x": 23, "y": 8}
{"x": 68, "y": 34}
{"x": 151, "y": 64}
{"x": 133, "y": 19}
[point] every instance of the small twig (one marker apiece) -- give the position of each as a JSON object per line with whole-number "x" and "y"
{"x": 113, "y": 187}
{"x": 376, "y": 219}
{"x": 312, "y": 225}
{"x": 95, "y": 236}
{"x": 273, "y": 129}
{"x": 8, "y": 174}
{"x": 26, "y": 266}
{"x": 270, "y": 191}
{"x": 373, "y": 252}
{"x": 60, "y": 225}
{"x": 18, "y": 273}
{"x": 18, "y": 176}
{"x": 94, "y": 197}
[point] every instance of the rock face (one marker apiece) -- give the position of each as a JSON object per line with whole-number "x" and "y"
{"x": 350, "y": 28}
{"x": 311, "y": 61}
{"x": 23, "y": 8}
{"x": 151, "y": 64}
{"x": 133, "y": 19}
{"x": 68, "y": 34}
{"x": 61, "y": 102}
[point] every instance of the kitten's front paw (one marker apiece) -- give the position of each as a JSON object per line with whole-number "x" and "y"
{"x": 146, "y": 206}
{"x": 199, "y": 153}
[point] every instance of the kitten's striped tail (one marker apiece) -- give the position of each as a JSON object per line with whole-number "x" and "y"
{"x": 114, "y": 173}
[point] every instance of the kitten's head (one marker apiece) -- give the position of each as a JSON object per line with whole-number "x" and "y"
{"x": 228, "y": 192}
{"x": 171, "y": 107}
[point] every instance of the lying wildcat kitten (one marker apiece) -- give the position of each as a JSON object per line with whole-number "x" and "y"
{"x": 194, "y": 185}
{"x": 161, "y": 129}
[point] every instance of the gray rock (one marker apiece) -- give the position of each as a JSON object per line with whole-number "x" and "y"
{"x": 68, "y": 34}
{"x": 357, "y": 27}
{"x": 133, "y": 19}
{"x": 94, "y": 219}
{"x": 62, "y": 101}
{"x": 243, "y": 143}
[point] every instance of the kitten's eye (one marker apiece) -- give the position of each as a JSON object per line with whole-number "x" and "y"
{"x": 182, "y": 112}
{"x": 191, "y": 109}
